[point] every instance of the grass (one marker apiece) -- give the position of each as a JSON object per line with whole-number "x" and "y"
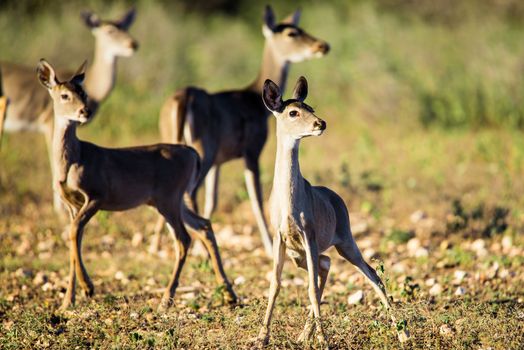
{"x": 422, "y": 115}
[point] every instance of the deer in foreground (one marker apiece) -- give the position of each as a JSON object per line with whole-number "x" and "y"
{"x": 30, "y": 107}
{"x": 307, "y": 219}
{"x": 233, "y": 124}
{"x": 90, "y": 178}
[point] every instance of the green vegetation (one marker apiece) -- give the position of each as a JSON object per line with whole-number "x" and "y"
{"x": 424, "y": 108}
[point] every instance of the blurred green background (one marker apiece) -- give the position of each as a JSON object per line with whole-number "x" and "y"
{"x": 438, "y": 63}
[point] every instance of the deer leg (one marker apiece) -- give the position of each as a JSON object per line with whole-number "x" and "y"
{"x": 154, "y": 247}
{"x": 182, "y": 243}
{"x": 279, "y": 251}
{"x": 58, "y": 205}
{"x": 312, "y": 260}
{"x": 211, "y": 190}
{"x": 254, "y": 189}
{"x": 323, "y": 271}
{"x": 3, "y": 114}
{"x": 76, "y": 266}
{"x": 204, "y": 232}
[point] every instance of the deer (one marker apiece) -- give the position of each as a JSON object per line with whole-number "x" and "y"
{"x": 307, "y": 219}
{"x": 90, "y": 178}
{"x": 232, "y": 124}
{"x": 30, "y": 107}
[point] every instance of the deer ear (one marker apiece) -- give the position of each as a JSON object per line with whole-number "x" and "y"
{"x": 78, "y": 77}
{"x": 272, "y": 96}
{"x": 128, "y": 19}
{"x": 300, "y": 91}
{"x": 90, "y": 19}
{"x": 269, "y": 21}
{"x": 46, "y": 74}
{"x": 293, "y": 18}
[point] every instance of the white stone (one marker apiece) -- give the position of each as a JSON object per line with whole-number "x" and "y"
{"x": 133, "y": 315}
{"x": 421, "y": 252}
{"x": 478, "y": 244}
{"x": 239, "y": 280}
{"x": 446, "y": 331}
{"x": 137, "y": 239}
{"x": 458, "y": 276}
{"x": 435, "y": 290}
{"x": 430, "y": 282}
{"x": 417, "y": 216}
{"x": 40, "y": 278}
{"x": 460, "y": 291}
{"x": 356, "y": 298}
{"x": 507, "y": 243}
{"x": 119, "y": 275}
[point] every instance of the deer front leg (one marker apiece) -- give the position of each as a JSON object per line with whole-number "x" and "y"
{"x": 312, "y": 260}
{"x": 76, "y": 265}
{"x": 279, "y": 251}
{"x": 211, "y": 191}
{"x": 254, "y": 189}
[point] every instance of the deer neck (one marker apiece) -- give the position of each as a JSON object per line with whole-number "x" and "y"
{"x": 66, "y": 147}
{"x": 273, "y": 67}
{"x": 101, "y": 75}
{"x": 287, "y": 181}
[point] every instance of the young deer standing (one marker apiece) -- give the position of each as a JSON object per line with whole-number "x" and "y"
{"x": 307, "y": 219}
{"x": 233, "y": 124}
{"x": 90, "y": 178}
{"x": 30, "y": 107}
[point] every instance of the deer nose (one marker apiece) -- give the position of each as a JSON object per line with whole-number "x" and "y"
{"x": 323, "y": 47}
{"x": 320, "y": 125}
{"x": 134, "y": 45}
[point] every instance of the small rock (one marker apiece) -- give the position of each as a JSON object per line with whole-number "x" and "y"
{"x": 21, "y": 272}
{"x": 359, "y": 227}
{"x": 369, "y": 253}
{"x": 119, "y": 275}
{"x": 24, "y": 247}
{"x": 356, "y": 298}
{"x": 40, "y": 279}
{"x": 403, "y": 336}
{"x": 446, "y": 331}
{"x": 507, "y": 243}
{"x": 133, "y": 315}
{"x": 421, "y": 252}
{"x": 460, "y": 291}
{"x": 430, "y": 282}
{"x": 108, "y": 240}
{"x": 47, "y": 286}
{"x": 478, "y": 245}
{"x": 435, "y": 290}
{"x": 137, "y": 239}
{"x": 458, "y": 276}
{"x": 151, "y": 281}
{"x": 417, "y": 216}
{"x": 413, "y": 245}
{"x": 297, "y": 281}
{"x": 239, "y": 280}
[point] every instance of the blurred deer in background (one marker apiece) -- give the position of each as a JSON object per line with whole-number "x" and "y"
{"x": 307, "y": 219}
{"x": 30, "y": 107}
{"x": 3, "y": 107}
{"x": 233, "y": 124}
{"x": 90, "y": 178}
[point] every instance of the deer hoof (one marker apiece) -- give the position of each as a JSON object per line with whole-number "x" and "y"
{"x": 263, "y": 337}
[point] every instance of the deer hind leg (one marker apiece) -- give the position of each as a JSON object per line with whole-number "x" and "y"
{"x": 279, "y": 254}
{"x": 211, "y": 191}
{"x": 173, "y": 217}
{"x": 323, "y": 272}
{"x": 204, "y": 232}
{"x": 254, "y": 189}
{"x": 3, "y": 114}
{"x": 76, "y": 265}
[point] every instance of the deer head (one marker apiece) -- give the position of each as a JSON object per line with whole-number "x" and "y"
{"x": 290, "y": 42}
{"x": 69, "y": 98}
{"x": 113, "y": 36}
{"x": 294, "y": 117}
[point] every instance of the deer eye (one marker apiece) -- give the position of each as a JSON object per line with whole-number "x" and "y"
{"x": 64, "y": 97}
{"x": 292, "y": 34}
{"x": 293, "y": 114}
